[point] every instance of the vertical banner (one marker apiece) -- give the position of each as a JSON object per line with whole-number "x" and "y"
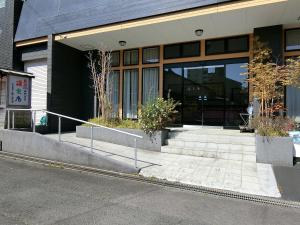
{"x": 19, "y": 91}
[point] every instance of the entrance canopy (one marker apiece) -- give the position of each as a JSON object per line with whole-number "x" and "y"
{"x": 233, "y": 18}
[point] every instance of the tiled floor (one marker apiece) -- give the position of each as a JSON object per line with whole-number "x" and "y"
{"x": 245, "y": 176}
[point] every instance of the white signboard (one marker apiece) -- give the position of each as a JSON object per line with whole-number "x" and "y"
{"x": 18, "y": 91}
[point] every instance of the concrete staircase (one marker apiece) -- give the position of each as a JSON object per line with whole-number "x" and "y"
{"x": 212, "y": 143}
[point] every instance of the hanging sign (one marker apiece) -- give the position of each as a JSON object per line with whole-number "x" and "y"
{"x": 19, "y": 91}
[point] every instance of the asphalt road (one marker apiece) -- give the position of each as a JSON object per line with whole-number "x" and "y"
{"x": 36, "y": 195}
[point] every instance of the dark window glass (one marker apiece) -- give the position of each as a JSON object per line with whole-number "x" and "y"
{"x": 131, "y": 57}
{"x": 115, "y": 58}
{"x": 215, "y": 47}
{"x": 182, "y": 50}
{"x": 151, "y": 55}
{"x": 239, "y": 44}
{"x": 227, "y": 45}
{"x": 191, "y": 49}
{"x": 172, "y": 51}
{"x": 130, "y": 94}
{"x": 292, "y": 41}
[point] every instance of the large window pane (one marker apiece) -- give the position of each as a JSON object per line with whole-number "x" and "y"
{"x": 173, "y": 87}
{"x": 172, "y": 51}
{"x": 113, "y": 90}
{"x": 115, "y": 58}
{"x": 191, "y": 49}
{"x": 150, "y": 84}
{"x": 130, "y": 94}
{"x": 131, "y": 57}
{"x": 293, "y": 40}
{"x": 151, "y": 55}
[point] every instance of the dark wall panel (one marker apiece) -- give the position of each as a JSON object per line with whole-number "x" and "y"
{"x": 44, "y": 17}
{"x": 272, "y": 36}
{"x": 65, "y": 92}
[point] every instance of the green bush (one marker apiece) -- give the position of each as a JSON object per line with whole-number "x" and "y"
{"x": 114, "y": 123}
{"x": 156, "y": 114}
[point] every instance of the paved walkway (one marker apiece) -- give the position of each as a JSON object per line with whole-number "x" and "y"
{"x": 240, "y": 176}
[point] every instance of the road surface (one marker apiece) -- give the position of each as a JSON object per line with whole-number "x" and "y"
{"x": 32, "y": 194}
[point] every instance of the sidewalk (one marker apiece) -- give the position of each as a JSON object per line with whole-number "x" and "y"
{"x": 240, "y": 176}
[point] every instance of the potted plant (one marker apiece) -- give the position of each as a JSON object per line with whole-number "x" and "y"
{"x": 268, "y": 81}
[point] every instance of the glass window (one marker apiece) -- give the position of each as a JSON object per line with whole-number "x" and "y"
{"x": 130, "y": 94}
{"x": 113, "y": 91}
{"x": 150, "y": 84}
{"x": 172, "y": 51}
{"x": 115, "y": 58}
{"x": 239, "y": 44}
{"x": 131, "y": 57}
{"x": 191, "y": 49}
{"x": 215, "y": 47}
{"x": 227, "y": 45}
{"x": 151, "y": 55}
{"x": 292, "y": 40}
{"x": 2, "y": 3}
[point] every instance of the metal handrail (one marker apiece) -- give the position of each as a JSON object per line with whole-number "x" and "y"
{"x": 73, "y": 119}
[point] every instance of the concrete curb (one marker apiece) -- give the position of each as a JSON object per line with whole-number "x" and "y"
{"x": 37, "y": 145}
{"x": 154, "y": 181}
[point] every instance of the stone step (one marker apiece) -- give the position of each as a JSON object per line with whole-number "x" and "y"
{"x": 248, "y": 156}
{"x": 182, "y": 131}
{"x": 210, "y": 146}
{"x": 196, "y": 141}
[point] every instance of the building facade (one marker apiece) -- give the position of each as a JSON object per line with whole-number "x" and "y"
{"x": 192, "y": 51}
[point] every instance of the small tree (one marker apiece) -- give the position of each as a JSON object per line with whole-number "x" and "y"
{"x": 268, "y": 79}
{"x": 100, "y": 70}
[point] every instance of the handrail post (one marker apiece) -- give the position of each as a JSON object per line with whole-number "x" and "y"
{"x": 59, "y": 129}
{"x": 92, "y": 138}
{"x": 135, "y": 154}
{"x": 13, "y": 120}
{"x": 34, "y": 118}
{"x": 8, "y": 119}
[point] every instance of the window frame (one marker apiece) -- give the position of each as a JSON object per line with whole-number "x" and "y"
{"x": 138, "y": 57}
{"x": 181, "y": 50}
{"x": 226, "y": 39}
{"x": 159, "y": 56}
{"x": 285, "y": 40}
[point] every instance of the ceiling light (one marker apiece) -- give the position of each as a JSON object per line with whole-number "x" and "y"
{"x": 122, "y": 43}
{"x": 199, "y": 32}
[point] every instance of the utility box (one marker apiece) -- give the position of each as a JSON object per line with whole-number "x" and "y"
{"x": 15, "y": 93}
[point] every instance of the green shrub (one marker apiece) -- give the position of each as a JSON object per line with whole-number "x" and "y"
{"x": 114, "y": 123}
{"x": 156, "y": 114}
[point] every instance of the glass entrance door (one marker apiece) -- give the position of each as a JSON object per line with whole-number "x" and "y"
{"x": 203, "y": 99}
{"x": 211, "y": 93}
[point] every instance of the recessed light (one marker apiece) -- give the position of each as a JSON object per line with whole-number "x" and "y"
{"x": 199, "y": 32}
{"x": 122, "y": 43}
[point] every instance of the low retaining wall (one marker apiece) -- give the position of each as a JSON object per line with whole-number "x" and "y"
{"x": 277, "y": 151}
{"x": 153, "y": 143}
{"x": 37, "y": 145}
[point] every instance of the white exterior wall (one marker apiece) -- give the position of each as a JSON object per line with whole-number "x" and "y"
{"x": 39, "y": 85}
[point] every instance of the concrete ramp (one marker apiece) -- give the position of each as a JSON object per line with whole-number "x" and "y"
{"x": 37, "y": 145}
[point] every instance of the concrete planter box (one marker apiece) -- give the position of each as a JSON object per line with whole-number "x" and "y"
{"x": 275, "y": 150}
{"x": 153, "y": 144}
